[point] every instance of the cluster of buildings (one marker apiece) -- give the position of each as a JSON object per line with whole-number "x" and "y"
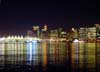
{"x": 46, "y": 33}
{"x": 44, "y": 46}
{"x": 89, "y": 34}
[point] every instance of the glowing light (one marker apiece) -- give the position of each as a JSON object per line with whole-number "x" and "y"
{"x": 3, "y": 38}
{"x": 15, "y": 37}
{"x": 31, "y": 49}
{"x": 76, "y": 40}
{"x": 35, "y": 28}
{"x": 73, "y": 29}
{"x": 34, "y": 46}
{"x": 63, "y": 39}
{"x": 34, "y": 41}
{"x": 21, "y": 37}
{"x": 45, "y": 27}
{"x": 34, "y": 51}
{"x": 30, "y": 44}
{"x": 63, "y": 32}
{"x": 29, "y": 52}
{"x": 18, "y": 37}
{"x": 52, "y": 39}
{"x": 76, "y": 47}
{"x": 9, "y": 37}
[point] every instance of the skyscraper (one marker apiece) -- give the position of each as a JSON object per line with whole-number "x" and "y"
{"x": 36, "y": 31}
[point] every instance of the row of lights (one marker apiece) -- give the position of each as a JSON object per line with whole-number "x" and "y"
{"x": 15, "y": 37}
{"x": 11, "y": 37}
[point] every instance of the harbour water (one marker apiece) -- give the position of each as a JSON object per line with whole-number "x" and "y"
{"x": 57, "y": 56}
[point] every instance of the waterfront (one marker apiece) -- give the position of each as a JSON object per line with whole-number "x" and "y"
{"x": 50, "y": 56}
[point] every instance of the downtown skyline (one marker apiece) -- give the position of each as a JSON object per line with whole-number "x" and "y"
{"x": 19, "y": 16}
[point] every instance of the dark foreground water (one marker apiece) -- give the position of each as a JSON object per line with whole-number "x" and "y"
{"x": 26, "y": 68}
{"x": 50, "y": 57}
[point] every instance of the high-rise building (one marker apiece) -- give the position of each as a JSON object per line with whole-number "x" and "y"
{"x": 91, "y": 34}
{"x": 59, "y": 31}
{"x": 54, "y": 33}
{"x": 36, "y": 31}
{"x": 72, "y": 34}
{"x": 44, "y": 32}
{"x": 82, "y": 33}
{"x": 87, "y": 33}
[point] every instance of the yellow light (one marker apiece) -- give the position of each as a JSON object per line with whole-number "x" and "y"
{"x": 45, "y": 27}
{"x": 15, "y": 37}
{"x": 18, "y": 37}
{"x": 35, "y": 27}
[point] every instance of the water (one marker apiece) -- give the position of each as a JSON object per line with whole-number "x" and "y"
{"x": 54, "y": 56}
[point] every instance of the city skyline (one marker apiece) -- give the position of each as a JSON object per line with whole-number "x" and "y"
{"x": 49, "y": 36}
{"x": 19, "y": 16}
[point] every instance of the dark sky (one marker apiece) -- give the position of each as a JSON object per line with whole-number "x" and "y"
{"x": 17, "y": 16}
{"x": 90, "y": 12}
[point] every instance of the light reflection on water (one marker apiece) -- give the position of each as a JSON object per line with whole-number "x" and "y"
{"x": 71, "y": 56}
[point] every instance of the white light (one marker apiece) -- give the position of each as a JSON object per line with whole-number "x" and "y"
{"x": 35, "y": 41}
{"x": 76, "y": 40}
{"x": 9, "y": 37}
{"x": 73, "y": 29}
{"x": 30, "y": 51}
{"x": 15, "y": 37}
{"x": 18, "y": 37}
{"x": 3, "y": 38}
{"x": 30, "y": 39}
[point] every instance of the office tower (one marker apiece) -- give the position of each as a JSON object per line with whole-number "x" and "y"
{"x": 54, "y": 33}
{"x": 44, "y": 32}
{"x": 36, "y": 31}
{"x": 82, "y": 33}
{"x": 91, "y": 34}
{"x": 59, "y": 31}
{"x": 87, "y": 47}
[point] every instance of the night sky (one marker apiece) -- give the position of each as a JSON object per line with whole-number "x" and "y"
{"x": 18, "y": 16}
{"x": 90, "y": 12}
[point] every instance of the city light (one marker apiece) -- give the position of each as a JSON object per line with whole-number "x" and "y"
{"x": 55, "y": 47}
{"x": 76, "y": 40}
{"x": 3, "y": 38}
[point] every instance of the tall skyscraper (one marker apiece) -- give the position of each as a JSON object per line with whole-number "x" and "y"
{"x": 44, "y": 32}
{"x": 36, "y": 31}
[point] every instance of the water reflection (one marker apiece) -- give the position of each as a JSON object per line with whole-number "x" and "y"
{"x": 47, "y": 55}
